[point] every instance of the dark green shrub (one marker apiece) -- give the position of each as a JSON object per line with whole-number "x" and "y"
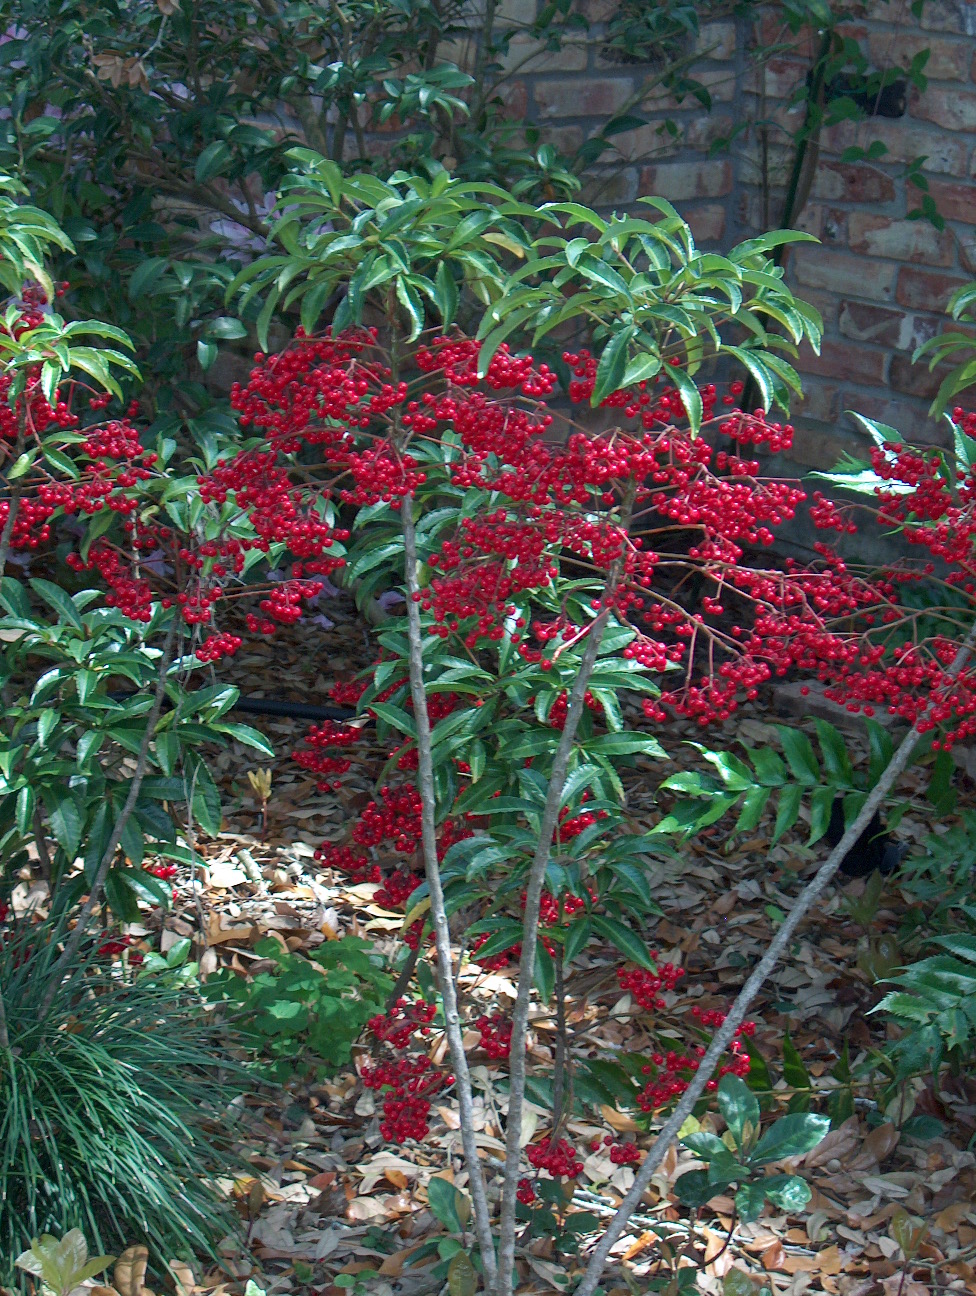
{"x": 305, "y": 1011}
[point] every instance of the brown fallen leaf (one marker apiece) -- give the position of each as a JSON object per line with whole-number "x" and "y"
{"x": 773, "y": 1257}
{"x": 876, "y": 1148}
{"x": 182, "y": 1277}
{"x": 393, "y": 1264}
{"x": 837, "y": 1145}
{"x": 640, "y": 1244}
{"x": 830, "y": 1260}
{"x": 129, "y": 1274}
{"x": 618, "y": 1121}
{"x": 950, "y": 1217}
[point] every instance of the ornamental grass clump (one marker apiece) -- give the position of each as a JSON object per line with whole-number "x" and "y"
{"x": 113, "y": 1105}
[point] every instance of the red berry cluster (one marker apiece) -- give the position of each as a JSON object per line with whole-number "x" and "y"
{"x": 644, "y": 987}
{"x": 620, "y": 1153}
{"x": 115, "y": 946}
{"x": 496, "y": 1035}
{"x": 409, "y": 1085}
{"x": 671, "y": 1071}
{"x": 407, "y": 1017}
{"x": 560, "y": 1159}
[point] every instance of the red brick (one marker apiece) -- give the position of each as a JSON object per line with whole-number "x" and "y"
{"x": 949, "y": 108}
{"x": 532, "y": 55}
{"x": 610, "y": 188}
{"x": 707, "y": 223}
{"x": 944, "y": 152}
{"x": 515, "y": 100}
{"x": 842, "y": 360}
{"x": 850, "y": 182}
{"x": 915, "y": 379}
{"x": 898, "y": 329}
{"x": 702, "y": 132}
{"x": 825, "y": 303}
{"x": 809, "y": 220}
{"x": 582, "y": 96}
{"x": 967, "y": 252}
{"x": 516, "y": 11}
{"x": 771, "y": 32}
{"x": 595, "y": 10}
{"x": 642, "y": 142}
{"x": 904, "y": 240}
{"x": 821, "y": 401}
{"x": 719, "y": 39}
{"x": 842, "y": 273}
{"x": 942, "y": 15}
{"x": 833, "y": 226}
{"x": 910, "y": 417}
{"x": 948, "y": 59}
{"x": 955, "y": 201}
{"x": 817, "y": 446}
{"x": 778, "y": 77}
{"x": 567, "y": 138}
{"x": 679, "y": 181}
{"x": 926, "y": 289}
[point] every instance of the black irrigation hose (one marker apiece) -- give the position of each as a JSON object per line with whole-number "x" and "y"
{"x": 874, "y": 849}
{"x": 293, "y": 710}
{"x": 273, "y": 707}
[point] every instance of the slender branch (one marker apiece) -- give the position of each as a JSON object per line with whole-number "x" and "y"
{"x": 13, "y": 492}
{"x": 530, "y": 925}
{"x": 73, "y": 943}
{"x": 4, "y": 1033}
{"x": 562, "y": 1058}
{"x": 806, "y": 899}
{"x": 438, "y": 912}
{"x": 8, "y": 528}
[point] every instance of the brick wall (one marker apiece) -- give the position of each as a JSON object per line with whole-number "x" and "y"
{"x": 880, "y": 280}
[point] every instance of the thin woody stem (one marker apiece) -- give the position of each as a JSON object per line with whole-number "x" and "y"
{"x": 530, "y": 925}
{"x": 438, "y": 911}
{"x": 725, "y": 1034}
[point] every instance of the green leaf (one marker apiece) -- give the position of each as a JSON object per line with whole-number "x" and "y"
{"x": 788, "y": 809}
{"x": 623, "y": 939}
{"x": 56, "y": 598}
{"x": 704, "y": 1145}
{"x": 789, "y": 1192}
{"x": 740, "y": 1109}
{"x": 613, "y": 364}
{"x": 794, "y": 1072}
{"x": 836, "y": 760}
{"x": 205, "y": 804}
{"x": 396, "y": 717}
{"x": 800, "y": 755}
{"x": 625, "y": 744}
{"x": 206, "y": 354}
{"x": 212, "y": 160}
{"x": 790, "y": 1136}
{"x": 247, "y": 735}
{"x": 66, "y": 822}
{"x": 694, "y": 1189}
{"x": 24, "y": 811}
{"x": 226, "y": 328}
{"x": 690, "y": 395}
{"x": 749, "y": 1200}
{"x": 544, "y": 975}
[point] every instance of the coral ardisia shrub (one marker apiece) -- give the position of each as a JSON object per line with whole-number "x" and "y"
{"x": 534, "y": 607}
{"x": 548, "y": 637}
